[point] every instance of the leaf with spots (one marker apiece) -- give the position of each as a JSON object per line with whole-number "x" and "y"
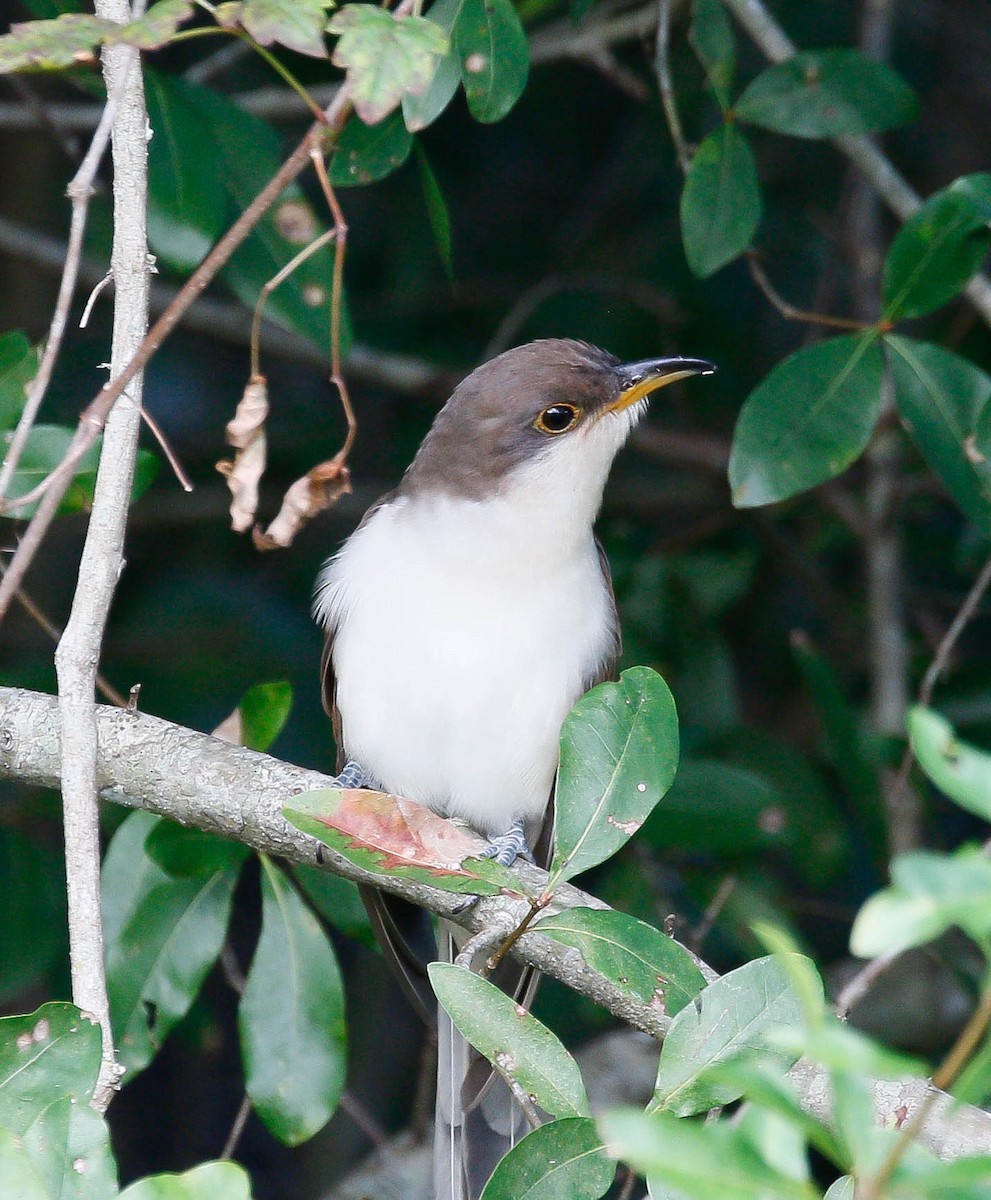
{"x": 291, "y": 1017}
{"x": 54, "y": 1051}
{"x": 638, "y": 958}
{"x": 619, "y": 753}
{"x": 385, "y": 57}
{"x": 367, "y": 153}
{"x": 390, "y": 835}
{"x": 514, "y": 1041}
{"x": 492, "y": 47}
{"x": 562, "y": 1160}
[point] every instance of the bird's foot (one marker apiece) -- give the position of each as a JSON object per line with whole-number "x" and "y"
{"x": 354, "y": 775}
{"x": 505, "y": 847}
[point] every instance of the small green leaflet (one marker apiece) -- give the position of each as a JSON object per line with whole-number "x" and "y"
{"x": 961, "y": 771}
{"x": 492, "y": 47}
{"x": 296, "y": 24}
{"x": 720, "y": 202}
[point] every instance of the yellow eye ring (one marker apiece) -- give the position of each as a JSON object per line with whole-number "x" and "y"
{"x": 558, "y": 418}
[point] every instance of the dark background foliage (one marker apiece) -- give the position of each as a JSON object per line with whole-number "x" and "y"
{"x": 564, "y": 221}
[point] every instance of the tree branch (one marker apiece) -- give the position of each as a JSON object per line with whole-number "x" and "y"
{"x": 195, "y": 779}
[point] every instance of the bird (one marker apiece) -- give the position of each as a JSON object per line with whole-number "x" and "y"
{"x": 463, "y": 618}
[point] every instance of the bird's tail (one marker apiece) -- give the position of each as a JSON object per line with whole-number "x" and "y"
{"x": 477, "y": 1120}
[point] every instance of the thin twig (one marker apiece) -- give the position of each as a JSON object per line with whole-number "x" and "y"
{"x": 43, "y": 621}
{"x": 237, "y": 1128}
{"x": 669, "y": 102}
{"x": 789, "y": 311}
{"x": 949, "y": 640}
{"x": 170, "y": 455}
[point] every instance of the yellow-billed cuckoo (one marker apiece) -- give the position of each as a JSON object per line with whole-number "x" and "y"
{"x": 465, "y": 616}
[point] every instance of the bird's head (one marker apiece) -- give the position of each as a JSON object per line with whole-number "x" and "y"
{"x": 555, "y": 410}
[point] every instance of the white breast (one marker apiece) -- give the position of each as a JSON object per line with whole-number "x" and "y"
{"x": 464, "y": 632}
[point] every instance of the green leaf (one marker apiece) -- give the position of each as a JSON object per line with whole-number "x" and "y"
{"x": 33, "y": 929}
{"x": 940, "y": 398}
{"x": 264, "y": 709}
{"x": 700, "y": 1161}
{"x": 187, "y": 211}
{"x": 241, "y": 150}
{"x": 841, "y": 1048}
{"x": 422, "y": 110}
{"x": 128, "y": 873}
{"x": 209, "y": 1181}
{"x": 296, "y": 24}
{"x": 69, "y": 1144}
{"x": 619, "y": 753}
{"x": 959, "y": 770}
{"x": 843, "y": 1189}
{"x": 368, "y": 153}
{"x": 494, "y": 53}
{"x": 17, "y": 1170}
{"x": 512, "y": 1039}
{"x": 562, "y": 1160}
{"x": 437, "y": 214}
{"x": 156, "y": 28}
{"x": 291, "y": 1017}
{"x": 183, "y": 852}
{"x": 825, "y": 93}
{"x": 384, "y": 57}
{"x": 45, "y": 448}
{"x": 640, "y": 959}
{"x": 720, "y": 202}
{"x": 929, "y": 893}
{"x": 735, "y": 1014}
{"x": 807, "y": 421}
{"x": 934, "y": 254}
{"x": 338, "y": 901}
{"x": 51, "y": 1053}
{"x": 18, "y": 366}
{"x": 162, "y": 940}
{"x": 711, "y": 36}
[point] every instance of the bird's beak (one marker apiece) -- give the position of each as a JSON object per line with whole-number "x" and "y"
{"x": 639, "y": 379}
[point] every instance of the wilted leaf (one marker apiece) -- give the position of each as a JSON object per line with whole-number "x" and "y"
{"x": 512, "y": 1039}
{"x": 385, "y": 57}
{"x": 562, "y": 1160}
{"x": 246, "y": 433}
{"x": 824, "y": 93}
{"x": 720, "y": 202}
{"x": 711, "y": 35}
{"x": 637, "y": 957}
{"x": 322, "y": 486}
{"x": 807, "y": 421}
{"x": 619, "y": 753}
{"x": 393, "y": 836}
{"x": 296, "y": 24}
{"x": 366, "y": 153}
{"x": 940, "y": 398}
{"x": 291, "y": 1017}
{"x": 735, "y": 1013}
{"x": 495, "y": 56}
{"x": 961, "y": 771}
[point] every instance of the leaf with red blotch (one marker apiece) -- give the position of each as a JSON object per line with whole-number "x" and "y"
{"x": 390, "y": 835}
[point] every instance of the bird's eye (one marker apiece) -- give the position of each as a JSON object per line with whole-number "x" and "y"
{"x": 558, "y": 418}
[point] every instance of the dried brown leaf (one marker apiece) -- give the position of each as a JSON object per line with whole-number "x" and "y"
{"x": 318, "y": 489}
{"x": 250, "y": 414}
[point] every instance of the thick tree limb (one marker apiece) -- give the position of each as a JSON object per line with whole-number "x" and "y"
{"x": 148, "y": 763}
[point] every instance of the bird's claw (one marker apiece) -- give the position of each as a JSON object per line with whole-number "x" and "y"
{"x": 505, "y": 847}
{"x": 353, "y": 775}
